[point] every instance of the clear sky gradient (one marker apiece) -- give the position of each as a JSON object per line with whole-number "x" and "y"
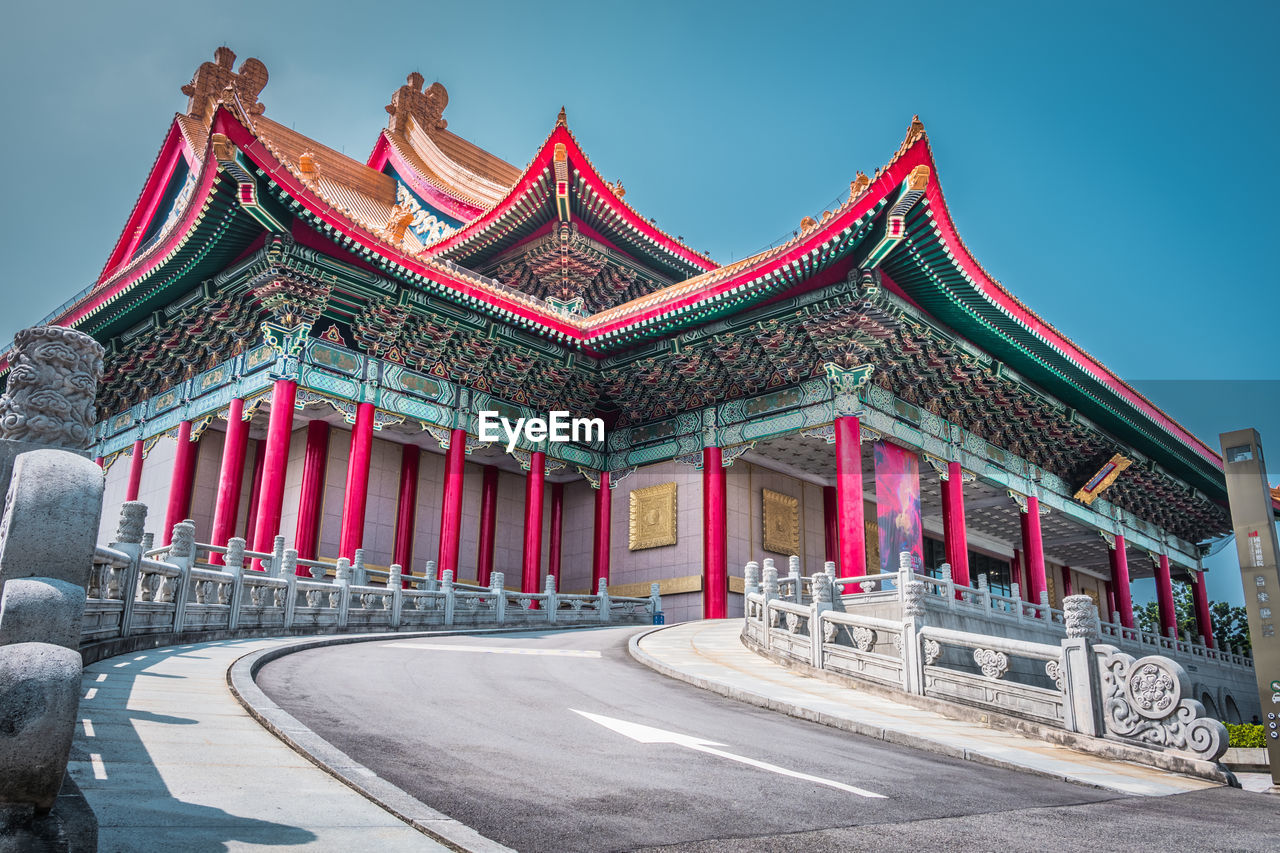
{"x": 1113, "y": 164}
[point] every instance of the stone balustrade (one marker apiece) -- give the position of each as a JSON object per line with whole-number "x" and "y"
{"x": 138, "y": 595}
{"x": 1076, "y": 683}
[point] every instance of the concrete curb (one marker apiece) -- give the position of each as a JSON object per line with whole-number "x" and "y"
{"x": 439, "y": 827}
{"x": 901, "y": 738}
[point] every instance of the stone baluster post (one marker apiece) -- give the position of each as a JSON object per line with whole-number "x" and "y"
{"x": 341, "y": 596}
{"x": 430, "y": 582}
{"x": 1043, "y": 611}
{"x": 129, "y": 535}
{"x": 820, "y": 604}
{"x": 793, "y": 573}
{"x": 769, "y": 590}
{"x": 984, "y": 593}
{"x": 397, "y": 593}
{"x": 446, "y": 586}
{"x": 551, "y": 602}
{"x": 1015, "y": 592}
{"x": 182, "y": 553}
{"x": 913, "y": 619}
{"x": 751, "y": 578}
{"x": 359, "y": 576}
{"x": 289, "y": 573}
{"x": 603, "y": 592}
{"x": 906, "y": 574}
{"x": 497, "y": 584}
{"x": 277, "y": 557}
{"x": 829, "y": 568}
{"x": 1081, "y": 685}
{"x": 949, "y": 591}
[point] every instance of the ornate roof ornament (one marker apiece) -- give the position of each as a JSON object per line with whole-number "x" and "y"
{"x": 858, "y": 185}
{"x": 562, "y": 120}
{"x": 425, "y": 107}
{"x": 216, "y": 83}
{"x": 918, "y": 179}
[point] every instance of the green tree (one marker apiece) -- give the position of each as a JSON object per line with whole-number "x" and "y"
{"x": 1230, "y": 623}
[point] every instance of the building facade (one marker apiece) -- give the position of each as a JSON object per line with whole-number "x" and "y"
{"x": 301, "y": 343}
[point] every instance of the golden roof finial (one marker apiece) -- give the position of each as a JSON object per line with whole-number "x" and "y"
{"x": 209, "y": 85}
{"x": 858, "y": 185}
{"x": 426, "y": 107}
{"x": 562, "y": 120}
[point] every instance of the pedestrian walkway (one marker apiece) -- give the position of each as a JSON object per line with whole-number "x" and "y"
{"x": 169, "y": 760}
{"x": 710, "y": 655}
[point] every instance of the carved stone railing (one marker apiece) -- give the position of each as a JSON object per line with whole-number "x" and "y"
{"x": 943, "y": 593}
{"x": 1077, "y": 684}
{"x": 179, "y": 589}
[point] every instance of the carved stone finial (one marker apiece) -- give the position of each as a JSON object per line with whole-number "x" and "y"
{"x": 751, "y": 576}
{"x": 822, "y": 588}
{"x": 212, "y": 80}
{"x": 183, "y": 543}
{"x": 769, "y": 580}
{"x": 344, "y": 569}
{"x": 133, "y": 518}
{"x": 550, "y": 585}
{"x": 53, "y": 380}
{"x": 424, "y": 107}
{"x": 289, "y": 564}
{"x": 793, "y": 565}
{"x": 603, "y": 588}
{"x": 905, "y": 562}
{"x": 497, "y": 580}
{"x": 235, "y": 553}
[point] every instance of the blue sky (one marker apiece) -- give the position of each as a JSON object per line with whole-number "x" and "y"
{"x": 1112, "y": 164}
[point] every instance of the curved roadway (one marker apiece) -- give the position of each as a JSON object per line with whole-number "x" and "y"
{"x": 561, "y": 742}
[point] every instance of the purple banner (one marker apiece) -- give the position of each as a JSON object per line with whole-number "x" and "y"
{"x": 898, "y": 504}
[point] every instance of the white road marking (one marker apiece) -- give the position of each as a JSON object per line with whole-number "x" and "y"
{"x": 648, "y": 734}
{"x": 126, "y": 663}
{"x": 102, "y": 676}
{"x": 99, "y": 769}
{"x": 91, "y": 692}
{"x": 88, "y": 727}
{"x": 496, "y": 650}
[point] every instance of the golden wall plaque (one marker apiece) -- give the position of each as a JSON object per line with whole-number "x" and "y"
{"x": 653, "y": 517}
{"x": 781, "y": 523}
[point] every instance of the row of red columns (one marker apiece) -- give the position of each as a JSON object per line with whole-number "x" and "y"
{"x": 843, "y": 510}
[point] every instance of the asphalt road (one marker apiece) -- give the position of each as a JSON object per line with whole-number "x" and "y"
{"x": 561, "y": 742}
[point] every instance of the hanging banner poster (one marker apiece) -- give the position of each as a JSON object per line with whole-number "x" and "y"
{"x": 898, "y": 504}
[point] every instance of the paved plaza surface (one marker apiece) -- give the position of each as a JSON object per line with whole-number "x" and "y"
{"x": 562, "y": 742}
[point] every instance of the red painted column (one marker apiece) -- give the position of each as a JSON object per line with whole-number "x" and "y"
{"x": 406, "y": 508}
{"x": 275, "y": 462}
{"x": 1111, "y": 600}
{"x": 255, "y": 491}
{"x": 1067, "y": 587}
{"x": 98, "y": 460}
{"x": 230, "y": 478}
{"x": 1164, "y": 597}
{"x": 1204, "y": 619}
{"x": 180, "y": 481}
{"x": 557, "y": 522}
{"x": 533, "y": 483}
{"x": 1033, "y": 549}
{"x": 601, "y": 543}
{"x": 451, "y": 506}
{"x": 351, "y": 537}
{"x": 488, "y": 525}
{"x": 135, "y": 472}
{"x": 849, "y": 514}
{"x": 315, "y": 461}
{"x": 1120, "y": 582}
{"x": 715, "y": 567}
{"x": 955, "y": 537}
{"x": 830, "y": 525}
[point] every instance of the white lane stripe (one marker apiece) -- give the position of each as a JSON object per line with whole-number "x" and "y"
{"x": 126, "y": 663}
{"x": 92, "y": 691}
{"x": 496, "y": 650}
{"x": 102, "y": 676}
{"x": 782, "y": 771}
{"x": 88, "y": 727}
{"x": 99, "y": 769}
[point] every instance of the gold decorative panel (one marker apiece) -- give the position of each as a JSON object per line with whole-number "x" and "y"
{"x": 781, "y": 523}
{"x": 653, "y": 517}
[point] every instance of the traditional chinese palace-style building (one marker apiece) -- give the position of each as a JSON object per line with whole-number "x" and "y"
{"x": 301, "y": 343}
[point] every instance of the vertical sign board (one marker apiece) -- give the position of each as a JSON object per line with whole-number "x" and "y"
{"x": 898, "y": 505}
{"x": 1253, "y": 520}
